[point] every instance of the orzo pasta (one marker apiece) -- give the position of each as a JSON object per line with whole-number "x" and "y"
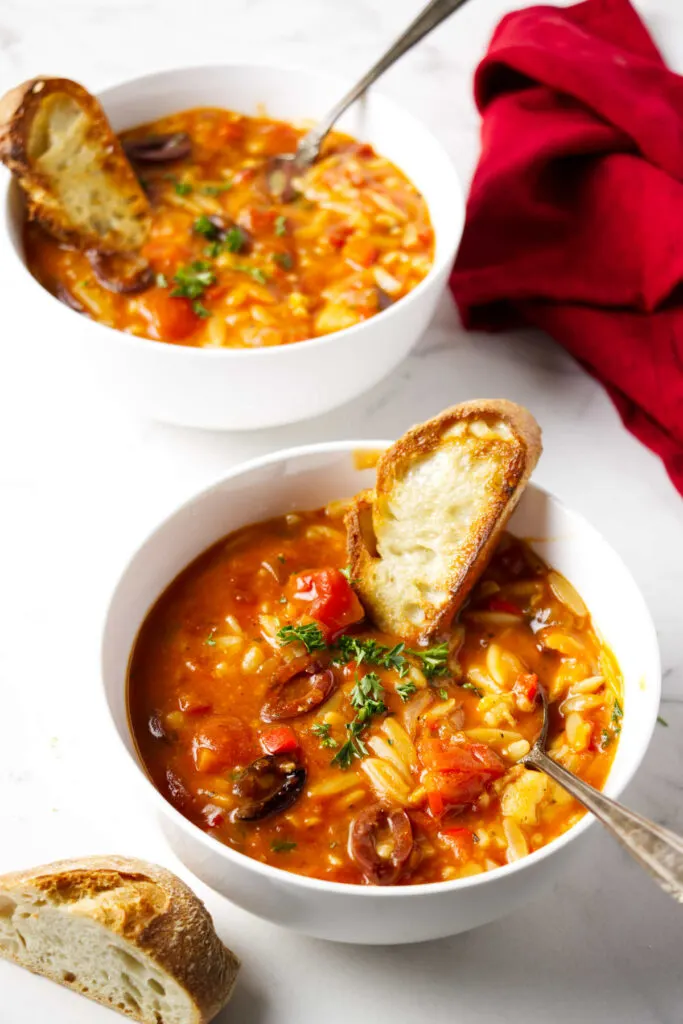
{"x": 273, "y": 716}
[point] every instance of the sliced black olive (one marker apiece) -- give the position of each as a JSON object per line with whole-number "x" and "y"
{"x": 158, "y": 149}
{"x": 64, "y": 295}
{"x": 299, "y": 687}
{"x": 125, "y": 275}
{"x": 363, "y": 843}
{"x": 280, "y": 175}
{"x": 383, "y": 299}
{"x": 268, "y": 786}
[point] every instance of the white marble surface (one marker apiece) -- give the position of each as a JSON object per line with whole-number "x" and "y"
{"x": 81, "y": 483}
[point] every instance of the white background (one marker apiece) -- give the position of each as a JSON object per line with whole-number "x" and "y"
{"x": 82, "y": 483}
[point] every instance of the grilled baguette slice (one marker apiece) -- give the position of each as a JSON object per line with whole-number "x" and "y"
{"x": 128, "y": 934}
{"x": 56, "y": 140}
{"x": 445, "y": 490}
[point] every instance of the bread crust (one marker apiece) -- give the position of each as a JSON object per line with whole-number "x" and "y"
{"x": 18, "y": 109}
{"x": 163, "y": 918}
{"x": 478, "y": 546}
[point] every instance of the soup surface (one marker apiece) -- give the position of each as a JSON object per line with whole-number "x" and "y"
{"x": 271, "y": 714}
{"x": 234, "y": 267}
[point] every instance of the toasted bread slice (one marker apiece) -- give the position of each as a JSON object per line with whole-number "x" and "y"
{"x": 56, "y": 140}
{"x": 128, "y": 934}
{"x": 444, "y": 493}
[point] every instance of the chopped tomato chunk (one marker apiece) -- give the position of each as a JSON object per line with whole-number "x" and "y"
{"x": 499, "y": 604}
{"x": 361, "y": 252}
{"x": 281, "y": 740}
{"x": 338, "y": 235}
{"x": 461, "y": 839}
{"x": 457, "y": 773}
{"x": 330, "y": 597}
{"x": 170, "y": 319}
{"x": 526, "y": 684}
{"x": 219, "y": 744}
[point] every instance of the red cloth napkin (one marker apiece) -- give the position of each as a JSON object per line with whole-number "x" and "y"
{"x": 575, "y": 215}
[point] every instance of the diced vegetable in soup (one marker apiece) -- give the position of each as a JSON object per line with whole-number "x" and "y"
{"x": 268, "y": 710}
{"x": 233, "y": 265}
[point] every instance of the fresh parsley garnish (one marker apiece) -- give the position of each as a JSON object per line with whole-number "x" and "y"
{"x": 192, "y": 281}
{"x": 161, "y": 281}
{"x": 210, "y": 642}
{"x": 254, "y": 272}
{"x": 235, "y": 240}
{"x": 282, "y": 558}
{"x": 359, "y": 649}
{"x": 443, "y": 693}
{"x": 617, "y": 715}
{"x": 322, "y": 731}
{"x": 606, "y": 738}
{"x": 434, "y": 660}
{"x": 282, "y": 845}
{"x": 662, "y": 721}
{"x": 283, "y": 259}
{"x": 200, "y": 310}
{"x": 406, "y": 690}
{"x": 281, "y": 226}
{"x": 205, "y": 226}
{"x": 309, "y": 634}
{"x": 183, "y": 188}
{"x": 215, "y": 190}
{"x": 367, "y": 697}
{"x": 346, "y": 572}
{"x": 472, "y": 688}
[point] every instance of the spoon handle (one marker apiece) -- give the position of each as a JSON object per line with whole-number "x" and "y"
{"x": 432, "y": 15}
{"x": 655, "y": 848}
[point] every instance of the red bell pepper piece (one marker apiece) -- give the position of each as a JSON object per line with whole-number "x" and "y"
{"x": 280, "y": 740}
{"x": 499, "y": 604}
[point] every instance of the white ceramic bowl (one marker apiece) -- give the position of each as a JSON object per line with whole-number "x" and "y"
{"x": 306, "y": 478}
{"x": 238, "y": 389}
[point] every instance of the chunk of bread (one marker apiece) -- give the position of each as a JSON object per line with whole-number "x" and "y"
{"x": 444, "y": 492}
{"x": 56, "y": 140}
{"x": 123, "y": 932}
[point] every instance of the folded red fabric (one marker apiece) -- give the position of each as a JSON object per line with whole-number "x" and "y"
{"x": 575, "y": 214}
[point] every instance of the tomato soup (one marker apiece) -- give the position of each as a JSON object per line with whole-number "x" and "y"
{"x": 229, "y": 265}
{"x": 272, "y": 714}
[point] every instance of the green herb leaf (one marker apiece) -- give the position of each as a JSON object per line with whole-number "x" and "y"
{"x": 215, "y": 190}
{"x": 213, "y": 250}
{"x": 346, "y": 571}
{"x": 281, "y": 226}
{"x": 443, "y": 693}
{"x": 235, "y": 239}
{"x": 201, "y": 310}
{"x": 283, "y": 599}
{"x": 472, "y": 688}
{"x": 309, "y": 634}
{"x": 161, "y": 281}
{"x": 406, "y": 690}
{"x": 210, "y": 642}
{"x": 192, "y": 281}
{"x": 282, "y": 846}
{"x": 322, "y": 731}
{"x": 183, "y": 188}
{"x": 606, "y": 738}
{"x": 434, "y": 660}
{"x": 617, "y": 715}
{"x": 283, "y": 259}
{"x": 367, "y": 697}
{"x": 281, "y": 558}
{"x": 662, "y": 721}
{"x": 254, "y": 272}
{"x": 205, "y": 226}
{"x": 353, "y": 648}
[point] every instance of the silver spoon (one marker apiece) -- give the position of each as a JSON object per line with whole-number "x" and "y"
{"x": 655, "y": 848}
{"x": 281, "y": 169}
